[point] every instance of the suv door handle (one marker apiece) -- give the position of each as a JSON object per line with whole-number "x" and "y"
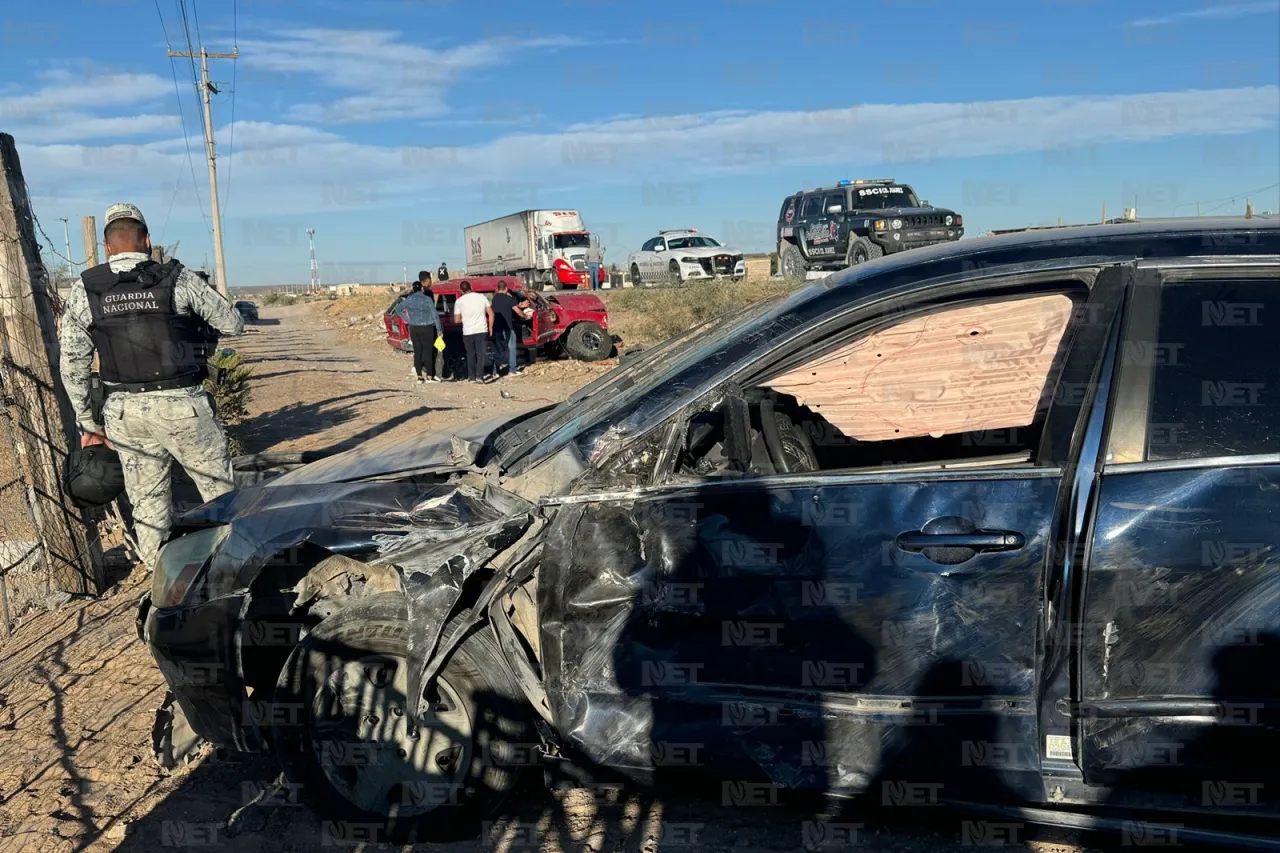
{"x": 984, "y": 541}
{"x": 952, "y": 549}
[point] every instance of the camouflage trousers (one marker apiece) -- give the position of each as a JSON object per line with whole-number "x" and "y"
{"x": 150, "y": 430}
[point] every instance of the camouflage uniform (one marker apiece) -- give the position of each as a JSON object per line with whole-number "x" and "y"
{"x": 152, "y": 428}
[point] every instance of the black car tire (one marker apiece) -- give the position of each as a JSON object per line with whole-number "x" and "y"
{"x": 635, "y": 276}
{"x": 792, "y": 262}
{"x": 587, "y": 341}
{"x": 673, "y": 273}
{"x": 862, "y": 250}
{"x": 479, "y": 710}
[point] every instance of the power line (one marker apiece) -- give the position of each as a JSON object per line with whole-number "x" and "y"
{"x": 231, "y": 143}
{"x": 207, "y": 91}
{"x": 191, "y": 51}
{"x": 195, "y": 12}
{"x": 186, "y": 138}
{"x": 1228, "y": 199}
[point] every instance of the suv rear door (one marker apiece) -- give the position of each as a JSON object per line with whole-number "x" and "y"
{"x": 1179, "y": 620}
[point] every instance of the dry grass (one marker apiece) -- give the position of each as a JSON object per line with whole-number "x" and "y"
{"x": 640, "y": 316}
{"x": 355, "y": 306}
{"x": 646, "y": 316}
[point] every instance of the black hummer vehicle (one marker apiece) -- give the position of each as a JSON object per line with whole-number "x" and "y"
{"x": 830, "y": 228}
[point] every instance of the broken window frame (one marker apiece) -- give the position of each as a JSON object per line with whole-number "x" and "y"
{"x": 784, "y": 382}
{"x": 824, "y": 335}
{"x": 630, "y": 417}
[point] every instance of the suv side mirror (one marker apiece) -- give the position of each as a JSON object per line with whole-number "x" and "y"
{"x": 661, "y": 247}
{"x": 924, "y": 202}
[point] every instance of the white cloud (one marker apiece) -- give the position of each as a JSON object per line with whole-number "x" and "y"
{"x": 389, "y": 79}
{"x": 70, "y": 127}
{"x": 64, "y": 108}
{"x": 1224, "y": 11}
{"x": 291, "y": 169}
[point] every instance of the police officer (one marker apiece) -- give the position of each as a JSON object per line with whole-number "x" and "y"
{"x": 146, "y": 321}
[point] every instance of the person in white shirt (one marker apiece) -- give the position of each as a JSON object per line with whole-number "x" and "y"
{"x": 473, "y": 312}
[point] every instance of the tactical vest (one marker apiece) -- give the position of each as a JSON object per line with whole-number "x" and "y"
{"x": 143, "y": 343}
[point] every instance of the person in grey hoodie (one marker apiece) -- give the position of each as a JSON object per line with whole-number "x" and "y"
{"x": 418, "y": 310}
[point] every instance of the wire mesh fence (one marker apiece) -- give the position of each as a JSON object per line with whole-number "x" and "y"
{"x": 47, "y": 545}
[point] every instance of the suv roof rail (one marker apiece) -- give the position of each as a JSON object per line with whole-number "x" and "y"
{"x": 679, "y": 231}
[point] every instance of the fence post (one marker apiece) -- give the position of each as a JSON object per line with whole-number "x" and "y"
{"x": 89, "y": 231}
{"x": 45, "y": 425}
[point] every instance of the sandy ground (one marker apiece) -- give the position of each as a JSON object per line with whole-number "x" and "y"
{"x": 320, "y": 383}
{"x": 78, "y": 690}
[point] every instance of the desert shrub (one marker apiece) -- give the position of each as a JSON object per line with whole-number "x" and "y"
{"x": 228, "y": 382}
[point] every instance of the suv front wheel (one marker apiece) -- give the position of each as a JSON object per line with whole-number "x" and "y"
{"x": 792, "y": 263}
{"x": 862, "y": 250}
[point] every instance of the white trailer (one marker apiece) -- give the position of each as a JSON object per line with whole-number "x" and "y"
{"x": 545, "y": 247}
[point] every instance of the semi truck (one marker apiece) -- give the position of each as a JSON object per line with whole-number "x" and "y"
{"x": 547, "y": 248}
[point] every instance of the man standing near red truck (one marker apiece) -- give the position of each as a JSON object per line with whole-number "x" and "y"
{"x": 473, "y": 312}
{"x": 506, "y": 308}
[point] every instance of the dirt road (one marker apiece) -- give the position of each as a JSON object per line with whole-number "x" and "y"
{"x": 319, "y": 383}
{"x": 78, "y": 690}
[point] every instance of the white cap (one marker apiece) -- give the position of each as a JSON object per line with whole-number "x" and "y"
{"x": 123, "y": 211}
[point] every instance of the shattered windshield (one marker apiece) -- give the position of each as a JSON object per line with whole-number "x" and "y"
{"x": 622, "y": 386}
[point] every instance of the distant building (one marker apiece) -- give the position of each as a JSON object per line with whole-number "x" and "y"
{"x": 353, "y": 289}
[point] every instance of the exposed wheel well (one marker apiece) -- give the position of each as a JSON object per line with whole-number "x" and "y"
{"x": 300, "y": 586}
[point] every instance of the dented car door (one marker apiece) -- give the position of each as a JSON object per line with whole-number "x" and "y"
{"x": 848, "y": 625}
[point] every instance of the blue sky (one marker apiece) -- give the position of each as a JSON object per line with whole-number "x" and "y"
{"x": 388, "y": 125}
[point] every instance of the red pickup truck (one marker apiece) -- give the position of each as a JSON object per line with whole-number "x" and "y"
{"x": 576, "y": 324}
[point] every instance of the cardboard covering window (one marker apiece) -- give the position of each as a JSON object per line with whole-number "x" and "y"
{"x": 981, "y": 367}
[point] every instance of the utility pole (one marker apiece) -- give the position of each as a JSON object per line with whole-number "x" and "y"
{"x": 66, "y": 236}
{"x": 315, "y": 270}
{"x": 207, "y": 90}
{"x": 89, "y": 231}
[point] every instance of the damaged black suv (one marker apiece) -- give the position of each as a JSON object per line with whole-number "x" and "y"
{"x": 997, "y": 518}
{"x": 830, "y": 228}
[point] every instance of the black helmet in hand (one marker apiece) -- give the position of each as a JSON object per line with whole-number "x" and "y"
{"x": 94, "y": 475}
